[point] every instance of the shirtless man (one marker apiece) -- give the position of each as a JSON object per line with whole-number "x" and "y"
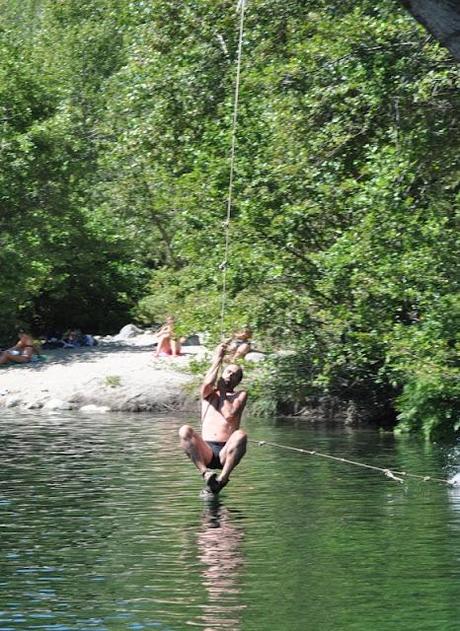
{"x": 222, "y": 443}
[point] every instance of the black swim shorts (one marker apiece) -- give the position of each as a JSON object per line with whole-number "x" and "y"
{"x": 216, "y": 447}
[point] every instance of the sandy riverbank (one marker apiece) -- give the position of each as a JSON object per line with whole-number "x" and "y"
{"x": 118, "y": 376}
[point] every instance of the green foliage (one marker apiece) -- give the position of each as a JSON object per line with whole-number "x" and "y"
{"x": 64, "y": 263}
{"x": 112, "y": 381}
{"x": 430, "y": 404}
{"x": 282, "y": 384}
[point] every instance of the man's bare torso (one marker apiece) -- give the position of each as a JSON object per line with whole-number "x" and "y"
{"x": 221, "y": 415}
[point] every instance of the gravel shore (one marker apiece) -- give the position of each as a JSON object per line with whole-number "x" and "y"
{"x": 118, "y": 376}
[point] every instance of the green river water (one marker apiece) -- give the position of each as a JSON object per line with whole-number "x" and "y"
{"x": 102, "y": 527}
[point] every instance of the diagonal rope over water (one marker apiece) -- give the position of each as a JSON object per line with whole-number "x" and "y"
{"x": 389, "y": 473}
{"x": 241, "y": 8}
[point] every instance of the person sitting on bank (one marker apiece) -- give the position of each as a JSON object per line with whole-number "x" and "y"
{"x": 168, "y": 342}
{"x": 222, "y": 443}
{"x": 73, "y": 338}
{"x": 21, "y": 352}
{"x": 240, "y": 345}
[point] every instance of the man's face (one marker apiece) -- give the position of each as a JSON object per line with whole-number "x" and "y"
{"x": 231, "y": 375}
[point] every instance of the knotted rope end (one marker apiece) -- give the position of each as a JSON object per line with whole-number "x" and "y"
{"x": 392, "y": 476}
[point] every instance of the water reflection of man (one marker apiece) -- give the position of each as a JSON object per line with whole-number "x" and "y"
{"x": 222, "y": 443}
{"x": 219, "y": 550}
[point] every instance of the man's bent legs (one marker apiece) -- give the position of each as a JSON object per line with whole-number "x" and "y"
{"x": 232, "y": 453}
{"x": 195, "y": 447}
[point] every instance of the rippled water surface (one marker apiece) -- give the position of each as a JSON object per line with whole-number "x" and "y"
{"x": 101, "y": 527}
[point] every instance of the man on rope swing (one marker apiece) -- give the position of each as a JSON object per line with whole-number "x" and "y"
{"x": 222, "y": 443}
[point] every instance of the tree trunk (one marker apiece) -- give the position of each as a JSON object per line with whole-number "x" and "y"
{"x": 441, "y": 18}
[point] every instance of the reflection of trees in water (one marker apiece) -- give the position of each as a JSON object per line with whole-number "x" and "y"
{"x": 219, "y": 550}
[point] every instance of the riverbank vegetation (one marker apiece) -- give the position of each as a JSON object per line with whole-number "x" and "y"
{"x": 116, "y": 126}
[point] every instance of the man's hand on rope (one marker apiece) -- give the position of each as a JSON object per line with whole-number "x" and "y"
{"x": 221, "y": 350}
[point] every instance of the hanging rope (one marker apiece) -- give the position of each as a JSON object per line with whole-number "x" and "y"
{"x": 241, "y": 8}
{"x": 393, "y": 475}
